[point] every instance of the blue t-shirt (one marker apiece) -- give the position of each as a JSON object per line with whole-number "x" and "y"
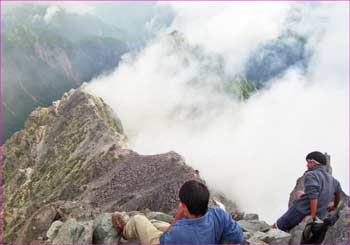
{"x": 214, "y": 227}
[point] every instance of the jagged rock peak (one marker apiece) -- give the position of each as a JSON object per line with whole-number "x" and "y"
{"x": 77, "y": 103}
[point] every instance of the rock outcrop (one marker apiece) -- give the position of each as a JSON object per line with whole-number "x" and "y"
{"x": 76, "y": 151}
{"x": 101, "y": 231}
{"x": 98, "y": 231}
{"x": 339, "y": 233}
{"x": 259, "y": 232}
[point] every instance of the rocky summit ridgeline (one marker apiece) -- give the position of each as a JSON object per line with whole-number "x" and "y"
{"x": 75, "y": 151}
{"x": 70, "y": 168}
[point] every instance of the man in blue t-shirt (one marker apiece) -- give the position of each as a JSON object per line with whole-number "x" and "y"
{"x": 194, "y": 222}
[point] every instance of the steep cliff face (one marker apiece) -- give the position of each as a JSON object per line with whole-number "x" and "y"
{"x": 75, "y": 150}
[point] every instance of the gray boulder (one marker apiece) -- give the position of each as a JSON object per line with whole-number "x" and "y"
{"x": 339, "y": 233}
{"x": 53, "y": 230}
{"x": 297, "y": 233}
{"x": 254, "y": 225}
{"x": 35, "y": 227}
{"x": 275, "y": 236}
{"x": 260, "y": 235}
{"x": 251, "y": 217}
{"x": 104, "y": 232}
{"x": 257, "y": 238}
{"x": 73, "y": 232}
{"x": 254, "y": 240}
{"x": 247, "y": 235}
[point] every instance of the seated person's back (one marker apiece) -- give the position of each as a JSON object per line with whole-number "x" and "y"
{"x": 196, "y": 224}
{"x": 212, "y": 228}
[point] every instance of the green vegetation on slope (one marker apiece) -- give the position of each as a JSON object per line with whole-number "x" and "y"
{"x": 39, "y": 65}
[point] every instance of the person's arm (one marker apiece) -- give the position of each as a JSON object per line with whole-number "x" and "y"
{"x": 337, "y": 197}
{"x": 312, "y": 191}
{"x": 313, "y": 207}
{"x": 232, "y": 232}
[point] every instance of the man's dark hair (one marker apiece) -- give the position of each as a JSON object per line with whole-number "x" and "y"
{"x": 317, "y": 156}
{"x": 195, "y": 196}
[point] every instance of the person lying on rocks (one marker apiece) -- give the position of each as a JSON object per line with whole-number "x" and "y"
{"x": 194, "y": 222}
{"x": 320, "y": 189}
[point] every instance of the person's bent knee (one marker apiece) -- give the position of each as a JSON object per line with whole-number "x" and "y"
{"x": 139, "y": 217}
{"x": 289, "y": 220}
{"x": 140, "y": 220}
{"x": 281, "y": 225}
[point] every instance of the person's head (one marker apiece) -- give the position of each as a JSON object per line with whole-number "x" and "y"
{"x": 195, "y": 197}
{"x": 315, "y": 158}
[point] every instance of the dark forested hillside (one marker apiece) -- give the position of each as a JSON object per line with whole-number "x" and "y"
{"x": 39, "y": 64}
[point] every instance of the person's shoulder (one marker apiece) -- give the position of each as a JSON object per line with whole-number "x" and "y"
{"x": 218, "y": 212}
{"x": 312, "y": 178}
{"x": 311, "y": 174}
{"x": 182, "y": 224}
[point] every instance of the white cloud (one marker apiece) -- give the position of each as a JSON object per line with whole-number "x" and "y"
{"x": 69, "y": 7}
{"x": 169, "y": 98}
{"x": 230, "y": 29}
{"x": 36, "y": 18}
{"x": 77, "y": 7}
{"x": 50, "y": 13}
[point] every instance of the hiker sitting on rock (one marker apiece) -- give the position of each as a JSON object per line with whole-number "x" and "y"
{"x": 194, "y": 222}
{"x": 320, "y": 188}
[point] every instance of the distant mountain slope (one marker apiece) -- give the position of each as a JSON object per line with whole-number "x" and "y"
{"x": 38, "y": 65}
{"x": 275, "y": 57}
{"x": 58, "y": 20}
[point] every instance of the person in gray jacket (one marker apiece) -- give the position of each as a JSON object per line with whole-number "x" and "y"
{"x": 320, "y": 189}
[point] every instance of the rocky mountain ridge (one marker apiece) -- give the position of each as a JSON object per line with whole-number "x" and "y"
{"x": 70, "y": 168}
{"x": 76, "y": 151}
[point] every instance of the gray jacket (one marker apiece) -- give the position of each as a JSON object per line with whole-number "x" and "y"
{"x": 317, "y": 184}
